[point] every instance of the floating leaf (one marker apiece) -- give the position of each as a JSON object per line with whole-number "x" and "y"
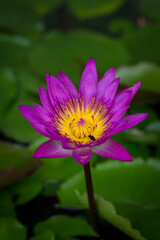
{"x": 6, "y": 205}
{"x": 15, "y": 126}
{"x": 150, "y": 8}
{"x": 91, "y": 8}
{"x": 133, "y": 189}
{"x": 14, "y": 49}
{"x": 75, "y": 48}
{"x": 116, "y": 181}
{"x": 142, "y": 45}
{"x": 107, "y": 210}
{"x": 65, "y": 225}
{"x": 11, "y": 229}
{"x": 44, "y": 236}
{"x": 13, "y": 155}
{"x": 50, "y": 188}
{"x": 145, "y": 72}
{"x": 26, "y": 190}
{"x": 8, "y": 89}
{"x": 22, "y": 18}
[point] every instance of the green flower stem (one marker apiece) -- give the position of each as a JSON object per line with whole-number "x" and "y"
{"x": 90, "y": 192}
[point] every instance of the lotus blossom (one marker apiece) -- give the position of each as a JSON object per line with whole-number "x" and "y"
{"x": 79, "y": 123}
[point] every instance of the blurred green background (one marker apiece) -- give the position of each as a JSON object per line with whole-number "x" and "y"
{"x": 61, "y": 35}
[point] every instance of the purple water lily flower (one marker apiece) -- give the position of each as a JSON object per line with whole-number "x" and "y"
{"x": 81, "y": 123}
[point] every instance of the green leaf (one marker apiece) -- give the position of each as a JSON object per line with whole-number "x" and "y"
{"x": 26, "y": 190}
{"x": 150, "y": 8}
{"x": 148, "y": 224}
{"x": 142, "y": 45}
{"x": 42, "y": 7}
{"x": 44, "y": 236}
{"x": 22, "y": 18}
{"x": 57, "y": 168}
{"x": 28, "y": 81}
{"x": 65, "y": 225}
{"x": 145, "y": 72}
{"x": 11, "y": 229}
{"x": 16, "y": 126}
{"x": 6, "y": 205}
{"x": 133, "y": 189}
{"x": 14, "y": 49}
{"x": 8, "y": 89}
{"x": 115, "y": 180}
{"x": 13, "y": 155}
{"x": 75, "y": 49}
{"x": 138, "y": 136}
{"x": 107, "y": 210}
{"x": 91, "y": 8}
{"x": 154, "y": 127}
{"x": 50, "y": 188}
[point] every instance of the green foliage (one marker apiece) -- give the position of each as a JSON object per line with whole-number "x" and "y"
{"x": 57, "y": 168}
{"x": 150, "y": 8}
{"x": 6, "y": 205}
{"x": 145, "y": 72}
{"x": 91, "y": 8}
{"x": 107, "y": 210}
{"x": 123, "y": 177}
{"x": 8, "y": 89}
{"x": 13, "y": 156}
{"x": 76, "y": 48}
{"x": 39, "y": 36}
{"x": 141, "y": 43}
{"x": 26, "y": 190}
{"x": 65, "y": 225}
{"x": 44, "y": 236}
{"x": 18, "y": 17}
{"x": 125, "y": 188}
{"x": 50, "y": 188}
{"x": 11, "y": 229}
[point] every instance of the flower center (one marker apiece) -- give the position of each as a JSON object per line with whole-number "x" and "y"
{"x": 79, "y": 125}
{"x": 81, "y": 128}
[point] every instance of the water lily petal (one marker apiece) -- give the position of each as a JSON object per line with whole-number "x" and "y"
{"x": 120, "y": 100}
{"x": 42, "y": 112}
{"x": 42, "y": 130}
{"x": 30, "y": 113}
{"x": 82, "y": 155}
{"x": 118, "y": 115}
{"x": 51, "y": 148}
{"x": 133, "y": 91}
{"x": 107, "y": 78}
{"x": 113, "y": 150}
{"x": 45, "y": 99}
{"x": 68, "y": 145}
{"x": 87, "y": 87}
{"x": 56, "y": 89}
{"x": 108, "y": 94}
{"x": 131, "y": 121}
{"x": 63, "y": 78}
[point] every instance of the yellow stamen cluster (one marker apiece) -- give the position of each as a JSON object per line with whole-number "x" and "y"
{"x": 79, "y": 124}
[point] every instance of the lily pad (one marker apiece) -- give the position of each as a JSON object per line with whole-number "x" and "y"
{"x": 22, "y": 18}
{"x": 145, "y": 72}
{"x": 65, "y": 225}
{"x": 13, "y": 155}
{"x": 6, "y": 205}
{"x": 131, "y": 191}
{"x": 92, "y": 8}
{"x": 107, "y": 210}
{"x": 44, "y": 236}
{"x": 141, "y": 43}
{"x": 26, "y": 190}
{"x": 11, "y": 229}
{"x": 75, "y": 48}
